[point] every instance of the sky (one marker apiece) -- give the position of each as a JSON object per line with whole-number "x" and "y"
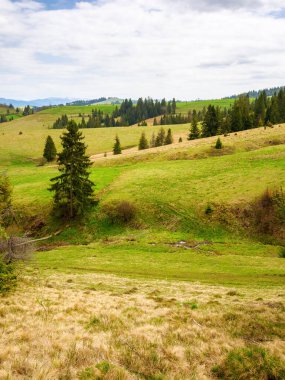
{"x": 187, "y": 49}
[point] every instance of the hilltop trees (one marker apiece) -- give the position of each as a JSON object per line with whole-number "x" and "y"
{"x": 73, "y": 190}
{"x": 143, "y": 143}
{"x": 117, "y": 146}
{"x": 49, "y": 150}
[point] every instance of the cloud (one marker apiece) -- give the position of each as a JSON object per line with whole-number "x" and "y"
{"x": 140, "y": 48}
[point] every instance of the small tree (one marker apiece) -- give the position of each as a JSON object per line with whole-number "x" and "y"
{"x": 73, "y": 189}
{"x": 168, "y": 139}
{"x": 180, "y": 139}
{"x": 117, "y": 146}
{"x": 194, "y": 131}
{"x": 49, "y": 150}
{"x": 143, "y": 144}
{"x": 155, "y": 122}
{"x": 152, "y": 141}
{"x": 219, "y": 144}
{"x": 160, "y": 138}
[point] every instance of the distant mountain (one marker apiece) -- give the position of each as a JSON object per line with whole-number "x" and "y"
{"x": 36, "y": 102}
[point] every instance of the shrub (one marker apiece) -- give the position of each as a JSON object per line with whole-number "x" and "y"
{"x": 251, "y": 364}
{"x": 119, "y": 212}
{"x": 269, "y": 211}
{"x": 219, "y": 144}
{"x": 180, "y": 139}
{"x": 7, "y": 276}
{"x": 282, "y": 253}
{"x": 208, "y": 210}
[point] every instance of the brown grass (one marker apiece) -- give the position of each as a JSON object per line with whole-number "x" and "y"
{"x": 92, "y": 326}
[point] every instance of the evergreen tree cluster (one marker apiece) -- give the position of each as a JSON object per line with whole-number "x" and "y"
{"x": 130, "y": 113}
{"x": 28, "y": 111}
{"x": 244, "y": 114}
{"x": 61, "y": 122}
{"x": 162, "y": 138}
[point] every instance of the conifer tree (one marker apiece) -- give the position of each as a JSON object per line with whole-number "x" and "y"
{"x": 160, "y": 138}
{"x": 168, "y": 139}
{"x": 49, "y": 150}
{"x": 154, "y": 122}
{"x": 117, "y": 146}
{"x": 143, "y": 144}
{"x": 194, "y": 131}
{"x": 219, "y": 144}
{"x": 73, "y": 190}
{"x": 152, "y": 141}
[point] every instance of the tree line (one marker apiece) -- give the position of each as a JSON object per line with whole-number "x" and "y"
{"x": 243, "y": 115}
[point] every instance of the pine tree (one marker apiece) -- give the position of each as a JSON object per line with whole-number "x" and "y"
{"x": 152, "y": 141}
{"x": 219, "y": 144}
{"x": 159, "y": 141}
{"x": 117, "y": 146}
{"x": 49, "y": 150}
{"x": 73, "y": 189}
{"x": 168, "y": 139}
{"x": 143, "y": 144}
{"x": 194, "y": 131}
{"x": 154, "y": 122}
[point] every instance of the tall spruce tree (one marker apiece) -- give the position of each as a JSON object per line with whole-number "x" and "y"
{"x": 49, "y": 150}
{"x": 143, "y": 143}
{"x": 117, "y": 146}
{"x": 194, "y": 131}
{"x": 73, "y": 190}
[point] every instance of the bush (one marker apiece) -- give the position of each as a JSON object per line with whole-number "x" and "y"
{"x": 7, "y": 277}
{"x": 269, "y": 211}
{"x": 219, "y": 144}
{"x": 119, "y": 212}
{"x": 282, "y": 253}
{"x": 251, "y": 364}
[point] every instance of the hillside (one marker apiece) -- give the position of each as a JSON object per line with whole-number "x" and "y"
{"x": 153, "y": 297}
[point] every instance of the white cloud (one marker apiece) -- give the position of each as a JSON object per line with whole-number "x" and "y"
{"x": 140, "y": 48}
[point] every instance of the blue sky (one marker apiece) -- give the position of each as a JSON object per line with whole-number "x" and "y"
{"x": 188, "y": 49}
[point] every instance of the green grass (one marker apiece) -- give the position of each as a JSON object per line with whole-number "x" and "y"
{"x": 198, "y": 105}
{"x": 35, "y": 128}
{"x": 140, "y": 259}
{"x": 75, "y": 110}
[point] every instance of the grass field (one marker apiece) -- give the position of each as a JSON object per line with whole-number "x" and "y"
{"x": 198, "y": 105}
{"x": 168, "y": 296}
{"x": 76, "y": 110}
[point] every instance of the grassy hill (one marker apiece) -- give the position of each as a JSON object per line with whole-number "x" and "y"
{"x": 170, "y": 295}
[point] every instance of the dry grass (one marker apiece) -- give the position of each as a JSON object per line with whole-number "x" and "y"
{"x": 92, "y": 326}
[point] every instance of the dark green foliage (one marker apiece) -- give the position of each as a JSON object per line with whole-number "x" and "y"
{"x": 219, "y": 144}
{"x": 170, "y": 119}
{"x": 180, "y": 139}
{"x": 194, "y": 132}
{"x": 282, "y": 253}
{"x": 168, "y": 139}
{"x": 152, "y": 141}
{"x": 208, "y": 210}
{"x": 73, "y": 189}
{"x": 6, "y": 212}
{"x": 7, "y": 276}
{"x": 143, "y": 143}
{"x": 252, "y": 363}
{"x": 130, "y": 113}
{"x": 28, "y": 111}
{"x": 3, "y": 119}
{"x": 49, "y": 150}
{"x": 117, "y": 146}
{"x": 119, "y": 212}
{"x": 61, "y": 122}
{"x": 155, "y": 122}
{"x": 160, "y": 138}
